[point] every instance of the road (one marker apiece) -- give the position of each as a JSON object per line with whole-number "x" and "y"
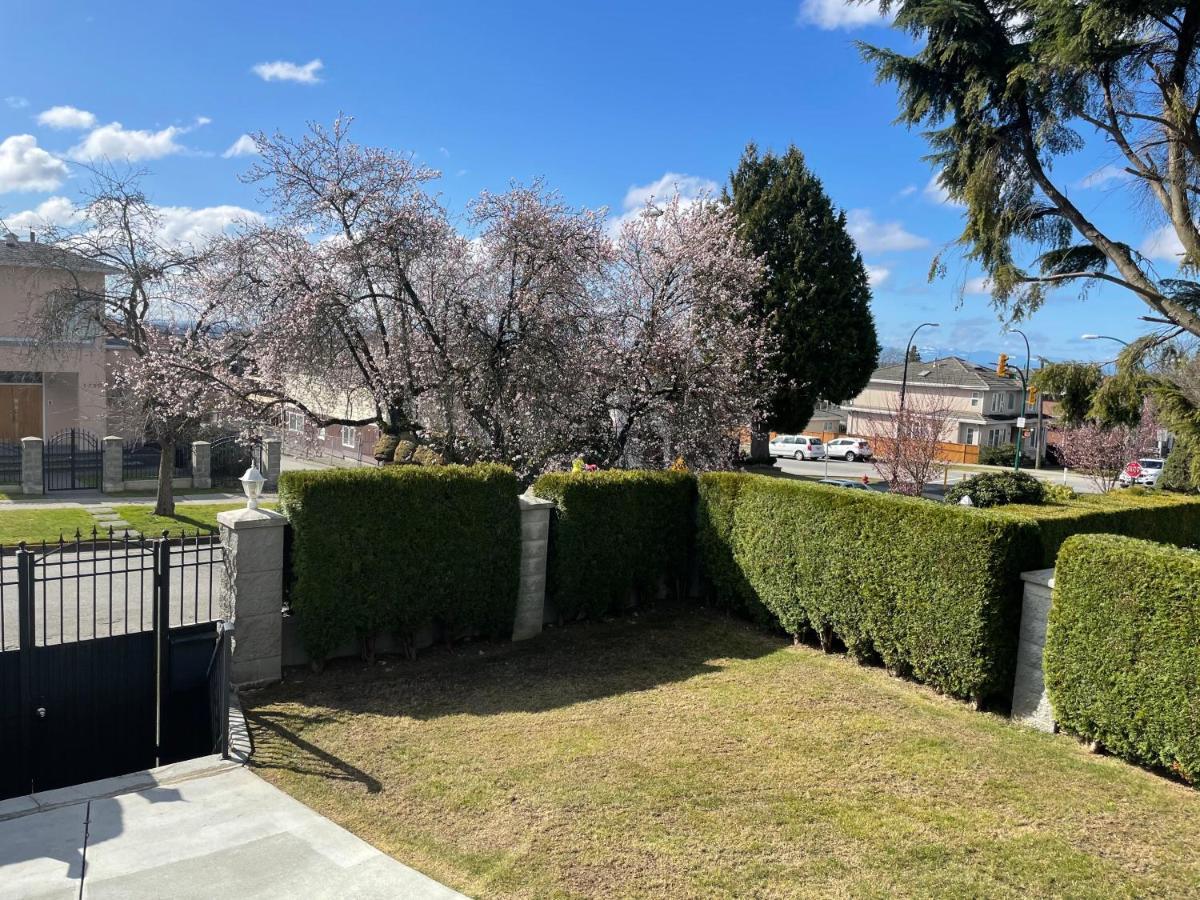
{"x": 78, "y": 596}
{"x": 839, "y": 468}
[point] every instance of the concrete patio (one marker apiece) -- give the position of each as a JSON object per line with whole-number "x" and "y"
{"x": 202, "y": 829}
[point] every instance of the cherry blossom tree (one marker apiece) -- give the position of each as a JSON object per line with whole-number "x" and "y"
{"x": 1101, "y": 452}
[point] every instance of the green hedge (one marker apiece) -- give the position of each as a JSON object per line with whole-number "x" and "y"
{"x": 393, "y": 549}
{"x": 928, "y": 587}
{"x": 932, "y": 589}
{"x": 615, "y": 532}
{"x": 1152, "y": 515}
{"x": 1122, "y": 658}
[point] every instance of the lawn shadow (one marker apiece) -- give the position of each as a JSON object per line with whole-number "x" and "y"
{"x": 580, "y": 662}
{"x": 273, "y": 730}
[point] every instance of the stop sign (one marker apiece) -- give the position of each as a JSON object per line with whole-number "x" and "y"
{"x": 1134, "y": 469}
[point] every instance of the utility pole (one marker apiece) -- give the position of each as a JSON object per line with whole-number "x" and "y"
{"x": 1024, "y": 396}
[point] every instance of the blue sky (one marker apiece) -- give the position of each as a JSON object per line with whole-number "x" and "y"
{"x": 603, "y": 100}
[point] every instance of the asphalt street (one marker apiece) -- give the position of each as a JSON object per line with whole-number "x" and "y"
{"x": 839, "y": 468}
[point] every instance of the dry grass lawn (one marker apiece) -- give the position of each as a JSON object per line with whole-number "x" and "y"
{"x": 688, "y": 755}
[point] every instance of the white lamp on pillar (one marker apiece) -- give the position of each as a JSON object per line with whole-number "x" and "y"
{"x": 252, "y": 484}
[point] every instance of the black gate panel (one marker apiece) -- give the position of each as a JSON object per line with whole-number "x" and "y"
{"x": 14, "y": 778}
{"x": 73, "y": 460}
{"x": 94, "y": 709}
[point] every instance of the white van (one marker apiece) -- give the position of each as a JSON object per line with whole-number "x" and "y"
{"x": 797, "y": 446}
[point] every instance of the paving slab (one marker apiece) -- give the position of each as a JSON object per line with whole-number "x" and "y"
{"x": 223, "y": 833}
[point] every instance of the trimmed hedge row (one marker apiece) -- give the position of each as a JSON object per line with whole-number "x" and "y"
{"x": 933, "y": 590}
{"x": 1122, "y": 658}
{"x": 929, "y": 588}
{"x": 396, "y": 548}
{"x": 615, "y": 532}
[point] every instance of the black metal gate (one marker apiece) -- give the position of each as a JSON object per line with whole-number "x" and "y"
{"x": 72, "y": 460}
{"x": 107, "y": 651}
{"x": 231, "y": 457}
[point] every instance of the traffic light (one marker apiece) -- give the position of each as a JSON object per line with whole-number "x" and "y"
{"x": 1002, "y": 365}
{"x": 1033, "y": 392}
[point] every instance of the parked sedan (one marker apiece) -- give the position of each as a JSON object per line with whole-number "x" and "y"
{"x": 848, "y": 449}
{"x": 797, "y": 446}
{"x": 1147, "y": 472}
{"x": 845, "y": 483}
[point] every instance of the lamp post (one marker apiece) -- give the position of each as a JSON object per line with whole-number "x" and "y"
{"x": 1024, "y": 399}
{"x": 252, "y": 484}
{"x": 1103, "y": 337}
{"x": 907, "y": 352}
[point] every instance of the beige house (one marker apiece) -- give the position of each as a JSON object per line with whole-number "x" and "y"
{"x": 983, "y": 407}
{"x": 43, "y": 392}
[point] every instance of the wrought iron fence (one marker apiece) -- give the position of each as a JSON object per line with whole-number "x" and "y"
{"x": 140, "y": 460}
{"x": 231, "y": 456}
{"x": 10, "y": 462}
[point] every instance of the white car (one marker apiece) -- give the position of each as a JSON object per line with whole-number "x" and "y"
{"x": 1150, "y": 471}
{"x": 797, "y": 446}
{"x": 849, "y": 449}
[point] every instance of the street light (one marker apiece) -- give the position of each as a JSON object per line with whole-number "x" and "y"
{"x": 1103, "y": 337}
{"x": 1024, "y": 398}
{"x": 907, "y": 352}
{"x": 252, "y": 483}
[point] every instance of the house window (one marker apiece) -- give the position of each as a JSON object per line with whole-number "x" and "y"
{"x": 970, "y": 435}
{"x": 1012, "y": 400}
{"x": 976, "y": 398}
{"x": 997, "y": 399}
{"x": 993, "y": 437}
{"x": 295, "y": 420}
{"x": 321, "y": 433}
{"x": 349, "y": 436}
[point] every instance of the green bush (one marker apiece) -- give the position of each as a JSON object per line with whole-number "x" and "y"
{"x": 396, "y": 548}
{"x": 998, "y": 456}
{"x": 714, "y": 544}
{"x": 998, "y": 489}
{"x": 931, "y": 589}
{"x": 1057, "y": 493}
{"x": 1122, "y": 658}
{"x": 615, "y": 532}
{"x": 1182, "y": 469}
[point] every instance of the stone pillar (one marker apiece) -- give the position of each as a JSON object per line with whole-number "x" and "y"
{"x": 201, "y": 464}
{"x": 31, "y": 466}
{"x": 1030, "y": 705}
{"x": 272, "y": 454}
{"x": 535, "y": 541}
{"x": 113, "y": 479}
{"x": 252, "y": 594}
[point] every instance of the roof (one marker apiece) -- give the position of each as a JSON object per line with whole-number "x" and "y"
{"x": 31, "y": 254}
{"x": 950, "y": 371}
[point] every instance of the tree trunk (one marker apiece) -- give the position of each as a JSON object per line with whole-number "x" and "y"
{"x": 165, "y": 503}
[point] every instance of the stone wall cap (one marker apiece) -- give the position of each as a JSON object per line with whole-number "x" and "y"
{"x": 528, "y": 501}
{"x": 239, "y": 519}
{"x": 1043, "y": 577}
{"x": 114, "y": 437}
{"x": 31, "y": 438}
{"x": 205, "y": 443}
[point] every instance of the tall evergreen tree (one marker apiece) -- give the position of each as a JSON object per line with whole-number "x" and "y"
{"x": 816, "y": 297}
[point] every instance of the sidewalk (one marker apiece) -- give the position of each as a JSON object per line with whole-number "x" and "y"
{"x": 201, "y": 829}
{"x": 83, "y": 499}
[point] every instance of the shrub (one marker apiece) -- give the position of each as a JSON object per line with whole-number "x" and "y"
{"x": 932, "y": 589}
{"x": 615, "y": 532}
{"x": 998, "y": 456}
{"x": 1182, "y": 469}
{"x": 714, "y": 545}
{"x": 1057, "y": 493}
{"x": 396, "y": 548}
{"x": 998, "y": 489}
{"x": 1122, "y": 658}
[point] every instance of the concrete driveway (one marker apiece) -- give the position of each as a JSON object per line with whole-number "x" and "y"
{"x": 201, "y": 829}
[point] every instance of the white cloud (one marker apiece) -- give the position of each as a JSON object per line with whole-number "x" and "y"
{"x": 243, "y": 146}
{"x": 114, "y": 141}
{"x": 24, "y": 166}
{"x": 51, "y": 212}
{"x": 907, "y": 191}
{"x": 690, "y": 188}
{"x": 1103, "y": 176}
{"x": 66, "y": 117}
{"x": 980, "y": 286}
{"x": 934, "y": 190}
{"x": 880, "y": 237}
{"x": 877, "y": 275}
{"x": 1164, "y": 244}
{"x": 185, "y": 225}
{"x": 281, "y": 70}
{"x": 833, "y": 14}
{"x": 16, "y": 102}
